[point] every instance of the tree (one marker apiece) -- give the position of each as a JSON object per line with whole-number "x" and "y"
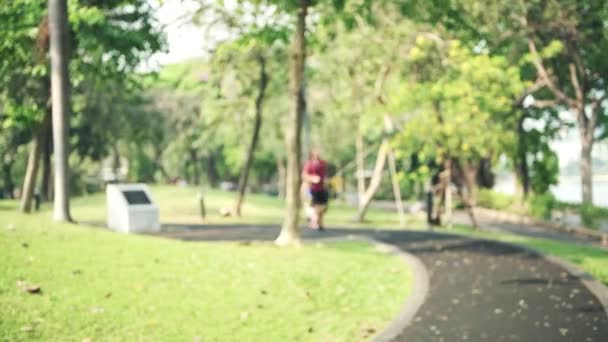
{"x": 290, "y": 230}
{"x": 60, "y": 94}
{"x": 355, "y": 67}
{"x": 460, "y": 110}
{"x": 565, "y": 43}
{"x": 259, "y": 38}
{"x": 244, "y": 177}
{"x": 110, "y": 40}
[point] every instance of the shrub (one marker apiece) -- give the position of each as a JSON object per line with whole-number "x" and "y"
{"x": 494, "y": 200}
{"x": 591, "y": 215}
{"x": 541, "y": 206}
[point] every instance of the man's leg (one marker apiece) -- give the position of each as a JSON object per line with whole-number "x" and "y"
{"x": 320, "y": 210}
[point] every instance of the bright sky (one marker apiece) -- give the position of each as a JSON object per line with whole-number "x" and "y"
{"x": 185, "y": 40}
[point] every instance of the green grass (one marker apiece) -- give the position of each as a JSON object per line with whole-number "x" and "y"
{"x": 591, "y": 259}
{"x": 180, "y": 205}
{"x": 107, "y": 286}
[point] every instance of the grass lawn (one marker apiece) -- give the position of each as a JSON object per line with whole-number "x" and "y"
{"x": 180, "y": 205}
{"x": 590, "y": 259}
{"x": 107, "y": 286}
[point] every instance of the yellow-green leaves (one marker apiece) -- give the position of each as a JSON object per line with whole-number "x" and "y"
{"x": 461, "y": 102}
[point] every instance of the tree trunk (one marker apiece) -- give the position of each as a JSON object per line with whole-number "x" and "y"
{"x": 31, "y": 173}
{"x": 196, "y": 171}
{"x": 521, "y": 161}
{"x": 392, "y": 165}
{"x": 586, "y": 127}
{"x": 116, "y": 164}
{"x": 257, "y": 123}
{"x": 290, "y": 233}
{"x": 60, "y": 92}
{"x": 586, "y": 169}
{"x": 47, "y": 148}
{"x": 360, "y": 165}
{"x": 282, "y": 174}
{"x": 374, "y": 184}
{"x": 469, "y": 173}
{"x": 7, "y": 174}
{"x": 447, "y": 165}
{"x": 212, "y": 176}
{"x": 29, "y": 182}
{"x": 158, "y": 164}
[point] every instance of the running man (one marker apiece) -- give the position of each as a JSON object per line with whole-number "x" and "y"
{"x": 313, "y": 175}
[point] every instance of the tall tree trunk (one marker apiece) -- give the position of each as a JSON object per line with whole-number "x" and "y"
{"x": 586, "y": 128}
{"x": 521, "y": 161}
{"x": 469, "y": 172}
{"x": 587, "y": 170}
{"x": 290, "y": 232}
{"x": 7, "y": 174}
{"x": 389, "y": 127}
{"x": 360, "y": 165}
{"x": 116, "y": 164}
{"x": 196, "y": 170}
{"x": 392, "y": 165}
{"x": 257, "y": 123}
{"x": 60, "y": 93}
{"x": 447, "y": 165}
{"x": 281, "y": 171}
{"x": 374, "y": 184}
{"x": 29, "y": 182}
{"x": 158, "y": 164}
{"x": 31, "y": 174}
{"x": 47, "y": 149}
{"x": 212, "y": 176}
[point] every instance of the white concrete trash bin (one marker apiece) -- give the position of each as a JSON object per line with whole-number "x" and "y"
{"x": 131, "y": 209}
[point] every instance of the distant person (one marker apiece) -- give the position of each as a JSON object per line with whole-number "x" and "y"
{"x": 313, "y": 176}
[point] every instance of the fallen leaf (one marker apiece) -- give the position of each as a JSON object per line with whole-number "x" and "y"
{"x": 33, "y": 289}
{"x": 97, "y": 310}
{"x": 109, "y": 294}
{"x": 27, "y": 328}
{"x": 263, "y": 292}
{"x": 25, "y": 245}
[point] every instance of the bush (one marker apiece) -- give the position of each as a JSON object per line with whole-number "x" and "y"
{"x": 591, "y": 215}
{"x": 487, "y": 198}
{"x": 541, "y": 206}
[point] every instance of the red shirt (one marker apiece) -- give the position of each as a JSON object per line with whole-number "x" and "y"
{"x": 316, "y": 167}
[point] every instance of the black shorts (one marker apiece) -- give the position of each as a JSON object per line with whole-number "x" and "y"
{"x": 319, "y": 197}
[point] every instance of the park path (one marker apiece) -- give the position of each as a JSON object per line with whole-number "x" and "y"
{"x": 528, "y": 230}
{"x": 479, "y": 290}
{"x": 494, "y": 225}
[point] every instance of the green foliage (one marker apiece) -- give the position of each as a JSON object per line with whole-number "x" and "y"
{"x": 545, "y": 170}
{"x": 459, "y": 102}
{"x": 591, "y": 215}
{"x": 541, "y": 206}
{"x": 494, "y": 200}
